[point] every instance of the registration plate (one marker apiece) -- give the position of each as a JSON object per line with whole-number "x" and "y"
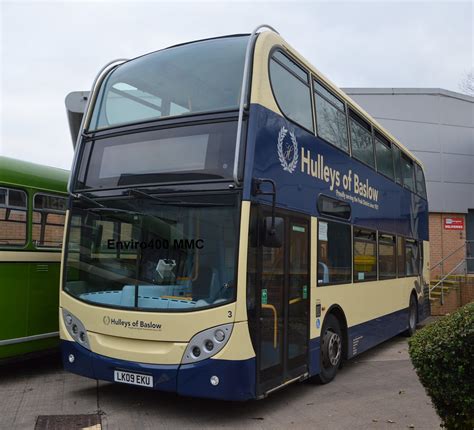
{"x": 133, "y": 378}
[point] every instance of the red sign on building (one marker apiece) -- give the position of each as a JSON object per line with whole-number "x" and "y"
{"x": 454, "y": 223}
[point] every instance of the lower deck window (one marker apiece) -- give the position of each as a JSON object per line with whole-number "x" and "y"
{"x": 334, "y": 253}
{"x": 365, "y": 255}
{"x": 387, "y": 256}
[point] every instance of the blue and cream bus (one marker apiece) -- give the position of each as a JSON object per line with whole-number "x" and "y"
{"x": 236, "y": 223}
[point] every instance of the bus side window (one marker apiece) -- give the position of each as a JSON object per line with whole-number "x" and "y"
{"x": 412, "y": 257}
{"x": 48, "y": 220}
{"x": 387, "y": 256}
{"x": 290, "y": 85}
{"x": 408, "y": 174}
{"x": 365, "y": 255}
{"x": 401, "y": 256}
{"x": 330, "y": 117}
{"x": 334, "y": 253}
{"x": 397, "y": 164}
{"x": 420, "y": 181}
{"x": 361, "y": 140}
{"x": 383, "y": 154}
{"x": 13, "y": 211}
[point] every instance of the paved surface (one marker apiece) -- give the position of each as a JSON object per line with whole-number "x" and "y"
{"x": 378, "y": 390}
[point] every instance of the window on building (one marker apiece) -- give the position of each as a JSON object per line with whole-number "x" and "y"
{"x": 334, "y": 207}
{"x": 361, "y": 140}
{"x": 13, "y": 217}
{"x": 401, "y": 256}
{"x": 397, "y": 164}
{"x": 408, "y": 174}
{"x": 383, "y": 154}
{"x": 330, "y": 117}
{"x": 412, "y": 253}
{"x": 387, "y": 256}
{"x": 290, "y": 85}
{"x": 334, "y": 253}
{"x": 48, "y": 220}
{"x": 365, "y": 255}
{"x": 420, "y": 181}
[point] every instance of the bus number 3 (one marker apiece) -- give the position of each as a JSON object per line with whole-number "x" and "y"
{"x": 229, "y": 314}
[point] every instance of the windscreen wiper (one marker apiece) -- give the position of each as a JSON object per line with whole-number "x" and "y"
{"x": 84, "y": 198}
{"x": 137, "y": 192}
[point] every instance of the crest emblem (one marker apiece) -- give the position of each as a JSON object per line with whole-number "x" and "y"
{"x": 287, "y": 150}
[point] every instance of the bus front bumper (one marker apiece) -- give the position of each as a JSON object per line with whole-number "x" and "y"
{"x": 236, "y": 377}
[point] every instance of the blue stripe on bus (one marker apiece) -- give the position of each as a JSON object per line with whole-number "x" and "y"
{"x": 364, "y": 336}
{"x": 236, "y": 377}
{"x": 299, "y": 190}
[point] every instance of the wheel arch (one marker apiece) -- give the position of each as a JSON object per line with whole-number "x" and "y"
{"x": 337, "y": 311}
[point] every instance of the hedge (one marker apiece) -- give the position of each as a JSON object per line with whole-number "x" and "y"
{"x": 443, "y": 356}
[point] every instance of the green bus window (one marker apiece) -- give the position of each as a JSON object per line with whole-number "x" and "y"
{"x": 397, "y": 164}
{"x": 408, "y": 174}
{"x": 204, "y": 76}
{"x": 401, "y": 257}
{"x": 412, "y": 257}
{"x": 383, "y": 154}
{"x": 330, "y": 118}
{"x": 334, "y": 253}
{"x": 420, "y": 181}
{"x": 13, "y": 217}
{"x": 361, "y": 140}
{"x": 48, "y": 220}
{"x": 365, "y": 255}
{"x": 387, "y": 256}
{"x": 291, "y": 93}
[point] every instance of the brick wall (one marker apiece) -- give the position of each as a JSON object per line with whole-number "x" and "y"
{"x": 451, "y": 303}
{"x": 467, "y": 292}
{"x": 443, "y": 242}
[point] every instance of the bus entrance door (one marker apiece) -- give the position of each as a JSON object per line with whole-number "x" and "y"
{"x": 283, "y": 298}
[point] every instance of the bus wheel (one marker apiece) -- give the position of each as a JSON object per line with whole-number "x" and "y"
{"x": 331, "y": 349}
{"x": 412, "y": 317}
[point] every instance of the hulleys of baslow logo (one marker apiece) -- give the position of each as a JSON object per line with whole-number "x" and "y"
{"x": 346, "y": 185}
{"x": 132, "y": 324}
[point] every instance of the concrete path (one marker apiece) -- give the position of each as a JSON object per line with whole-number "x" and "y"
{"x": 378, "y": 390}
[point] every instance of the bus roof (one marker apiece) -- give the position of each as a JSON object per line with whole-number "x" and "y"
{"x": 268, "y": 39}
{"x": 26, "y": 174}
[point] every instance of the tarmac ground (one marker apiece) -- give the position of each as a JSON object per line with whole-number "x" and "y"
{"x": 377, "y": 390}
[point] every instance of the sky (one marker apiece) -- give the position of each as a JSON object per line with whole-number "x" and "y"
{"x": 48, "y": 49}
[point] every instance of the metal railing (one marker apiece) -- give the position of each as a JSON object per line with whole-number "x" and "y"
{"x": 462, "y": 262}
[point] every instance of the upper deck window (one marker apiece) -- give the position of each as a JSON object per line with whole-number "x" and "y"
{"x": 420, "y": 181}
{"x": 203, "y": 76}
{"x": 290, "y": 84}
{"x": 383, "y": 153}
{"x": 397, "y": 164}
{"x": 408, "y": 174}
{"x": 330, "y": 117}
{"x": 361, "y": 138}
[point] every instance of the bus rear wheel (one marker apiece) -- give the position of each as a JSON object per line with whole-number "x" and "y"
{"x": 331, "y": 350}
{"x": 412, "y": 317}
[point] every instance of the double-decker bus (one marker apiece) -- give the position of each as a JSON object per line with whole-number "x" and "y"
{"x": 237, "y": 223}
{"x": 32, "y": 214}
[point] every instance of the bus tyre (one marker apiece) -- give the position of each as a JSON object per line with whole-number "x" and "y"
{"x": 412, "y": 317}
{"x": 331, "y": 349}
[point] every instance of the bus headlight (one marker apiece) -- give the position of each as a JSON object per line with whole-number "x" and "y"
{"x": 207, "y": 343}
{"x": 76, "y": 329}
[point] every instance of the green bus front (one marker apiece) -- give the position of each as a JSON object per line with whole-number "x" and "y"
{"x": 32, "y": 214}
